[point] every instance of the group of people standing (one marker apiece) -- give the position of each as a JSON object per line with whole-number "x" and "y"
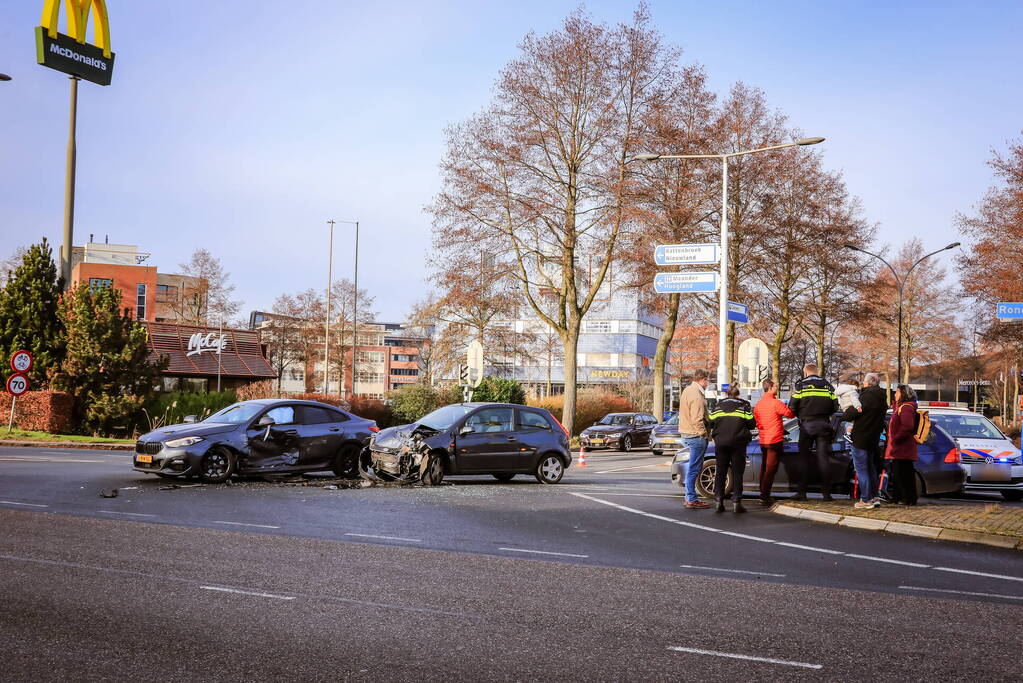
{"x": 820, "y": 408}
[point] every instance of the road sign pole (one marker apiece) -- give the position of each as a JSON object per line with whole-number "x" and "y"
{"x": 69, "y": 190}
{"x": 10, "y": 423}
{"x": 723, "y": 374}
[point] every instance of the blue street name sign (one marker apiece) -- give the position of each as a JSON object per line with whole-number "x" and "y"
{"x": 738, "y": 313}
{"x": 1010, "y": 311}
{"x": 685, "y": 254}
{"x": 684, "y": 283}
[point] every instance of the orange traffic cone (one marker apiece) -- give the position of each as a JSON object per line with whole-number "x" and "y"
{"x": 582, "y": 457}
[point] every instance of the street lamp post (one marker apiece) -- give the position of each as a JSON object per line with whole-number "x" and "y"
{"x": 355, "y": 309}
{"x": 724, "y": 373}
{"x": 326, "y": 329}
{"x": 901, "y": 284}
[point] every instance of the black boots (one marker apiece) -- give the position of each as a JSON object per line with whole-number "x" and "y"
{"x": 737, "y": 507}
{"x": 720, "y": 507}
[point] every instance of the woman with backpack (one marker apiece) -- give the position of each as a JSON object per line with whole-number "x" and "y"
{"x": 901, "y": 450}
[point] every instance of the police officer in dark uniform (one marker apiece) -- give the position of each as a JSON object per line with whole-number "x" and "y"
{"x": 731, "y": 424}
{"x": 814, "y": 402}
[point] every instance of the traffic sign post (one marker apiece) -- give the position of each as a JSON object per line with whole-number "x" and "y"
{"x": 738, "y": 313}
{"x": 17, "y": 384}
{"x": 21, "y": 361}
{"x": 1008, "y": 311}
{"x": 686, "y": 283}
{"x": 686, "y": 254}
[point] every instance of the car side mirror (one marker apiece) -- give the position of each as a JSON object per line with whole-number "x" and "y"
{"x": 190, "y": 419}
{"x": 466, "y": 429}
{"x": 265, "y": 421}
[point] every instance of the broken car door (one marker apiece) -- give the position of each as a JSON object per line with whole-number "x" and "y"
{"x": 320, "y": 434}
{"x": 274, "y": 446}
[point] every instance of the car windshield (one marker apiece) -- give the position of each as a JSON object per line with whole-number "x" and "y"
{"x": 614, "y": 420}
{"x": 443, "y": 418}
{"x": 967, "y": 426}
{"x": 235, "y": 414}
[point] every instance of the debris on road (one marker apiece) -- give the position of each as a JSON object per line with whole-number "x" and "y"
{"x": 108, "y": 493}
{"x": 182, "y": 486}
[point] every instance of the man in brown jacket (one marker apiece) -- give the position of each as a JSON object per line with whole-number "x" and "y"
{"x": 692, "y": 427}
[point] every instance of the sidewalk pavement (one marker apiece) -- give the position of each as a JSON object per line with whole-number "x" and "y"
{"x": 989, "y": 524}
{"x": 69, "y": 444}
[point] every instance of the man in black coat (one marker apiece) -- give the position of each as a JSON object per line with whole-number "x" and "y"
{"x": 868, "y": 425}
{"x": 814, "y": 402}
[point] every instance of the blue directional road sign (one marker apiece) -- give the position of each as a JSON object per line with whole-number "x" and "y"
{"x": 1010, "y": 311}
{"x": 738, "y": 313}
{"x": 685, "y": 283}
{"x": 685, "y": 254}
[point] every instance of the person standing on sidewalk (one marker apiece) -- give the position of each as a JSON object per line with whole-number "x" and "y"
{"x": 901, "y": 449}
{"x": 692, "y": 427}
{"x": 868, "y": 425}
{"x": 814, "y": 402}
{"x": 770, "y": 414}
{"x": 731, "y": 422}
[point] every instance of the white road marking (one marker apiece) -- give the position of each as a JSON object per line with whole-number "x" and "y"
{"x": 260, "y": 526}
{"x": 761, "y": 539}
{"x": 34, "y": 459}
{"x": 943, "y": 590}
{"x": 240, "y": 592}
{"x": 31, "y": 505}
{"x": 885, "y": 559}
{"x": 634, "y": 467}
{"x": 387, "y": 538}
{"x": 541, "y": 552}
{"x": 972, "y": 573}
{"x": 644, "y": 495}
{"x": 118, "y": 512}
{"x": 750, "y": 658}
{"x": 730, "y": 571}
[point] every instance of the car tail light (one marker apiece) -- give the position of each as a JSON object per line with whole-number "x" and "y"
{"x": 567, "y": 435}
{"x": 953, "y": 456}
{"x": 374, "y": 429}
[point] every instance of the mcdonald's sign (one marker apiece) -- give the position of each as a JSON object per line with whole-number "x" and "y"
{"x": 70, "y": 53}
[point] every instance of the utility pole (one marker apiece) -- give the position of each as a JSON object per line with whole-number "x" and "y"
{"x": 326, "y": 331}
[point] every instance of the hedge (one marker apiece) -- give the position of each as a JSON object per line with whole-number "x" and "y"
{"x": 44, "y": 411}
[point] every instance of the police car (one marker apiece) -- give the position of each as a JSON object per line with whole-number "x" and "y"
{"x": 992, "y": 462}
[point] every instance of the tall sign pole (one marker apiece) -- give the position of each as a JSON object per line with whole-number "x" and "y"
{"x": 326, "y": 331}
{"x": 70, "y": 54}
{"x": 724, "y": 368}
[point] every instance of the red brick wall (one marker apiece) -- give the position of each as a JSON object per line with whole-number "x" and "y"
{"x": 125, "y": 278}
{"x": 47, "y": 411}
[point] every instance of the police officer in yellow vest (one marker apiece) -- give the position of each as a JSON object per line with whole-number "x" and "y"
{"x": 814, "y": 403}
{"x": 731, "y": 424}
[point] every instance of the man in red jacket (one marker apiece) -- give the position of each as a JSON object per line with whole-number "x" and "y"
{"x": 770, "y": 414}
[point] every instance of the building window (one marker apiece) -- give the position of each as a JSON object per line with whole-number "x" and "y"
{"x": 369, "y": 377}
{"x": 403, "y": 357}
{"x": 140, "y": 302}
{"x": 370, "y": 357}
{"x": 408, "y": 372}
{"x": 166, "y": 294}
{"x": 600, "y": 326}
{"x": 97, "y": 283}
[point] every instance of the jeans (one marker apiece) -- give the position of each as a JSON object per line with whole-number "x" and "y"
{"x": 697, "y": 446}
{"x": 866, "y": 474}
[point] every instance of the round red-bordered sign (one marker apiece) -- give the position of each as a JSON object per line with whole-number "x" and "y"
{"x": 17, "y": 385}
{"x": 21, "y": 361}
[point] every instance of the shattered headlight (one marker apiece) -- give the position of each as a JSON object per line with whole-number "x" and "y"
{"x": 181, "y": 443}
{"x": 682, "y": 455}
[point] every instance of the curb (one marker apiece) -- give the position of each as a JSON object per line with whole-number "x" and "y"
{"x": 70, "y": 444}
{"x": 919, "y": 530}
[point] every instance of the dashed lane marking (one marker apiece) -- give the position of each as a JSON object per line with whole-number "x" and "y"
{"x": 241, "y": 592}
{"x": 541, "y": 552}
{"x": 387, "y": 538}
{"x": 119, "y": 512}
{"x": 750, "y": 658}
{"x": 945, "y": 590}
{"x": 797, "y": 546}
{"x": 730, "y": 571}
{"x": 31, "y": 505}
{"x": 633, "y": 467}
{"x": 258, "y": 526}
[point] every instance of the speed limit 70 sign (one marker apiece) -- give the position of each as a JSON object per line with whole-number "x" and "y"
{"x": 17, "y": 385}
{"x": 21, "y": 361}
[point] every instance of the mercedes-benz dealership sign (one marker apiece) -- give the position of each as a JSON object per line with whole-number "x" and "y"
{"x": 70, "y": 53}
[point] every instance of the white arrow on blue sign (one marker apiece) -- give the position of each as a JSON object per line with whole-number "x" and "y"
{"x": 738, "y": 313}
{"x": 685, "y": 254}
{"x": 672, "y": 283}
{"x": 1010, "y": 311}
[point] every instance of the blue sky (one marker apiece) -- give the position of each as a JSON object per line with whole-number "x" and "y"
{"x": 243, "y": 126}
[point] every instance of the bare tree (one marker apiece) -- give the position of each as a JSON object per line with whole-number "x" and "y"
{"x": 209, "y": 301}
{"x": 11, "y": 263}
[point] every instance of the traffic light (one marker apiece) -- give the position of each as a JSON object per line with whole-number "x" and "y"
{"x": 463, "y": 375}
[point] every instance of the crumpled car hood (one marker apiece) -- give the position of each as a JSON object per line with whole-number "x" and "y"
{"x": 186, "y": 429}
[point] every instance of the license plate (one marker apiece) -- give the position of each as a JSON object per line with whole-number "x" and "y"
{"x": 988, "y": 473}
{"x": 144, "y": 458}
{"x": 668, "y": 441}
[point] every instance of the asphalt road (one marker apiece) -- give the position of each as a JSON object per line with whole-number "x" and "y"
{"x": 598, "y": 578}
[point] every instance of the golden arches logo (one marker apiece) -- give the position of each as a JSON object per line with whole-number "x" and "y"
{"x": 78, "y": 12}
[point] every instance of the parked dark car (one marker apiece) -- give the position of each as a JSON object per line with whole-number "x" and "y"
{"x": 257, "y": 437}
{"x": 498, "y": 439}
{"x": 665, "y": 436}
{"x": 618, "y": 430}
{"x": 938, "y": 469}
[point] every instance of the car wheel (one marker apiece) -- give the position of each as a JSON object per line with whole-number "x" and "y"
{"x": 656, "y": 452}
{"x": 346, "y": 463}
{"x": 434, "y": 474}
{"x": 627, "y": 443}
{"x": 705, "y": 480}
{"x": 217, "y": 466}
{"x": 504, "y": 476}
{"x": 550, "y": 469}
{"x": 1012, "y": 496}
